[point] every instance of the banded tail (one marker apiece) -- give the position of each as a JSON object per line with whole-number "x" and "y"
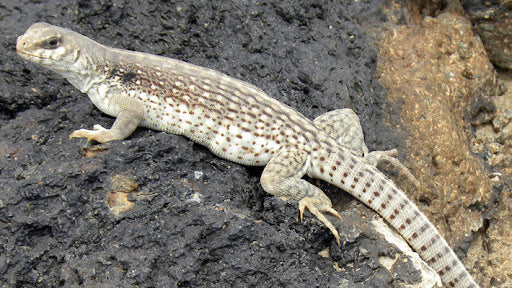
{"x": 354, "y": 175}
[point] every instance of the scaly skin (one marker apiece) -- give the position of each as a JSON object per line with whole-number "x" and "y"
{"x": 239, "y": 122}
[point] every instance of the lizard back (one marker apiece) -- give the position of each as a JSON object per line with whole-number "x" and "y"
{"x": 234, "y": 119}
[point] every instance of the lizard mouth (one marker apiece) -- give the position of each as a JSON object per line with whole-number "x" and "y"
{"x": 30, "y": 57}
{"x": 24, "y": 54}
{"x": 21, "y": 48}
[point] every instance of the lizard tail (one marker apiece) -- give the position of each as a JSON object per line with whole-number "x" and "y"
{"x": 371, "y": 187}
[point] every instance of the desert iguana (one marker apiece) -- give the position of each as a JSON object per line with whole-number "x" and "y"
{"x": 239, "y": 122}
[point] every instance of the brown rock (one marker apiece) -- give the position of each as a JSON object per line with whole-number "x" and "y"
{"x": 425, "y": 69}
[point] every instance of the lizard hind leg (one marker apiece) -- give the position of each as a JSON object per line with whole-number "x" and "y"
{"x": 344, "y": 126}
{"x": 282, "y": 178}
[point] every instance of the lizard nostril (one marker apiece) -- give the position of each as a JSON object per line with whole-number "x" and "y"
{"x": 21, "y": 43}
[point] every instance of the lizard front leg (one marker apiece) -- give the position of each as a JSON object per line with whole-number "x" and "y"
{"x": 127, "y": 120}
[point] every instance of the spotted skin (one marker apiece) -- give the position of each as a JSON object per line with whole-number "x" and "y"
{"x": 239, "y": 122}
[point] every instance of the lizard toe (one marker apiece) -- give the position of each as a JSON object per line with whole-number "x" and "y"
{"x": 312, "y": 205}
{"x": 98, "y": 127}
{"x": 82, "y": 133}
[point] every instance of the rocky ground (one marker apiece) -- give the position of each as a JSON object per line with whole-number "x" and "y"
{"x": 157, "y": 210}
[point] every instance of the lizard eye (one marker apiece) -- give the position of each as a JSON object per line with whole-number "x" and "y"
{"x": 51, "y": 43}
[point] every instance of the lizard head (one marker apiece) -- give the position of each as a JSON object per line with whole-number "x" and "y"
{"x": 56, "y": 48}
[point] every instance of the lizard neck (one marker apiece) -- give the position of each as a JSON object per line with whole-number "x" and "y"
{"x": 86, "y": 72}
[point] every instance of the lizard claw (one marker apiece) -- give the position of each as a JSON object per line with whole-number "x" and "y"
{"x": 335, "y": 213}
{"x": 311, "y": 204}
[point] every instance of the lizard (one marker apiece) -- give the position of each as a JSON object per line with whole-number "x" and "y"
{"x": 237, "y": 121}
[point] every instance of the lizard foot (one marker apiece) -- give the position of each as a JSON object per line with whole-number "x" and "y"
{"x": 375, "y": 157}
{"x": 316, "y": 208}
{"x": 99, "y": 134}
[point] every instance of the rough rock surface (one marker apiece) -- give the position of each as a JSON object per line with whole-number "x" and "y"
{"x": 492, "y": 21}
{"x": 156, "y": 210}
{"x": 493, "y": 141}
